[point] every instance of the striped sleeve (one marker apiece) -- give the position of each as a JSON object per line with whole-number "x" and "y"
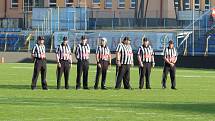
{"x": 58, "y": 49}
{"x": 97, "y": 50}
{"x": 76, "y": 49}
{"x": 119, "y": 48}
{"x": 176, "y": 53}
{"x": 33, "y": 49}
{"x": 152, "y": 51}
{"x": 88, "y": 48}
{"x": 164, "y": 52}
{"x": 139, "y": 51}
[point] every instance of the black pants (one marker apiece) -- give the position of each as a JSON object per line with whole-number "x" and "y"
{"x": 82, "y": 67}
{"x": 101, "y": 70}
{"x": 166, "y": 70}
{"x": 145, "y": 71}
{"x": 65, "y": 68}
{"x": 123, "y": 74}
{"x": 39, "y": 66}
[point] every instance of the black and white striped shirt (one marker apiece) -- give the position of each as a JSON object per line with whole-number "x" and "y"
{"x": 64, "y": 52}
{"x": 170, "y": 54}
{"x": 82, "y": 52}
{"x": 103, "y": 52}
{"x": 39, "y": 51}
{"x": 126, "y": 54}
{"x": 146, "y": 54}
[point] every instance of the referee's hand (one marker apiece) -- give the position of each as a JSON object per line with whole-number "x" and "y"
{"x": 118, "y": 63}
{"x": 141, "y": 64}
{"x": 59, "y": 65}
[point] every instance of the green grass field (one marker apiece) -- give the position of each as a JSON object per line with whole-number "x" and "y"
{"x": 193, "y": 101}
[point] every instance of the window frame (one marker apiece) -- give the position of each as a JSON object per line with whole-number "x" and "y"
{"x": 132, "y": 3}
{"x": 120, "y": 3}
{"x": 52, "y": 3}
{"x": 207, "y": 5}
{"x": 69, "y": 4}
{"x": 187, "y": 4}
{"x": 12, "y": 4}
{"x": 108, "y": 3}
{"x": 96, "y": 4}
{"x": 197, "y": 5}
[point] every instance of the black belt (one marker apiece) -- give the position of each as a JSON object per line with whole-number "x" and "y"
{"x": 83, "y": 59}
{"x": 40, "y": 58}
{"x": 147, "y": 62}
{"x": 63, "y": 60}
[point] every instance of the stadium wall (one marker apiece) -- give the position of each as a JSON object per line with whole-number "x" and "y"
{"x": 206, "y": 62}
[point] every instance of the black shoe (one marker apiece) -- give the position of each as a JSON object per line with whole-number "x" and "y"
{"x": 129, "y": 88}
{"x": 78, "y": 88}
{"x": 86, "y": 88}
{"x": 104, "y": 88}
{"x": 116, "y": 88}
{"x": 45, "y": 89}
{"x": 33, "y": 88}
{"x": 95, "y": 87}
{"x": 173, "y": 88}
{"x": 163, "y": 87}
{"x": 148, "y": 88}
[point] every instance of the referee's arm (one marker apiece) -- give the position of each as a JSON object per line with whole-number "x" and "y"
{"x": 33, "y": 53}
{"x": 139, "y": 56}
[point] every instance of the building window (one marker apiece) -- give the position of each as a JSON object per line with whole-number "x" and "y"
{"x": 39, "y": 3}
{"x": 52, "y": 3}
{"x": 28, "y": 5}
{"x": 14, "y": 3}
{"x": 207, "y": 4}
{"x": 69, "y": 3}
{"x": 176, "y": 4}
{"x": 132, "y": 3}
{"x": 121, "y": 3}
{"x": 187, "y": 4}
{"x": 108, "y": 3}
{"x": 96, "y": 3}
{"x": 197, "y": 5}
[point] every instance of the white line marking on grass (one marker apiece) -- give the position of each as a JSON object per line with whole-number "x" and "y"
{"x": 12, "y": 74}
{"x": 195, "y": 76}
{"x": 45, "y": 118}
{"x": 82, "y": 107}
{"x": 103, "y": 117}
{"x": 101, "y": 109}
{"x": 17, "y": 67}
{"x": 146, "y": 113}
{"x": 118, "y": 111}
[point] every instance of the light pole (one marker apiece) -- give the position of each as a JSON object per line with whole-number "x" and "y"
{"x": 193, "y": 38}
{"x": 50, "y": 9}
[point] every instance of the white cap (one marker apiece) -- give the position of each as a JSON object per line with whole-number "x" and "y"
{"x": 104, "y": 39}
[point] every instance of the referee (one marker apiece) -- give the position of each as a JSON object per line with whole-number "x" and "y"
{"x": 39, "y": 58}
{"x": 146, "y": 61}
{"x": 103, "y": 58}
{"x": 170, "y": 59}
{"x": 82, "y": 52}
{"x": 64, "y": 61}
{"x": 124, "y": 60}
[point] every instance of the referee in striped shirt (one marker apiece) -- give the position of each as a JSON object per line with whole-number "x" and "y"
{"x": 146, "y": 61}
{"x": 124, "y": 60}
{"x": 103, "y": 58}
{"x": 170, "y": 59}
{"x": 39, "y": 57}
{"x": 64, "y": 61}
{"x": 82, "y": 52}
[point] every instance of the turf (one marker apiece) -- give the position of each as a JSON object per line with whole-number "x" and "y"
{"x": 193, "y": 101}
